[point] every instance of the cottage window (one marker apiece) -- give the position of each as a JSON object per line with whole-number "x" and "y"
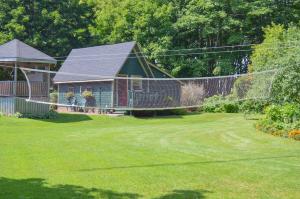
{"x": 137, "y": 84}
{"x": 71, "y": 89}
{"x": 89, "y": 89}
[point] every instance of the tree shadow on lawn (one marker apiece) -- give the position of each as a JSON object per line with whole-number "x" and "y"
{"x": 68, "y": 118}
{"x": 185, "y": 194}
{"x": 37, "y": 188}
{"x": 168, "y": 116}
{"x": 189, "y": 163}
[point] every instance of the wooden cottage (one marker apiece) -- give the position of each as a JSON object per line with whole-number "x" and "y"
{"x": 14, "y": 87}
{"x": 95, "y": 69}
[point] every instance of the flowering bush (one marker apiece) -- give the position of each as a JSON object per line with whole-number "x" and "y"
{"x": 294, "y": 134}
{"x": 87, "y": 94}
{"x": 281, "y": 120}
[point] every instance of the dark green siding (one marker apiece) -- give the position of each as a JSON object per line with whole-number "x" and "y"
{"x": 158, "y": 74}
{"x": 131, "y": 67}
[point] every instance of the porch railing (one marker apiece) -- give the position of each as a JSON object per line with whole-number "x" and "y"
{"x": 38, "y": 89}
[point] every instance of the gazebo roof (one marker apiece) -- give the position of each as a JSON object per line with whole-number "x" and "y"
{"x": 17, "y": 51}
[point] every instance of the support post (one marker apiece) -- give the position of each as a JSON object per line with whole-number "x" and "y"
{"x": 48, "y": 82}
{"x": 15, "y": 79}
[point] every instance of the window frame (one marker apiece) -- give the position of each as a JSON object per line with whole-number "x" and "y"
{"x": 139, "y": 81}
{"x": 71, "y": 89}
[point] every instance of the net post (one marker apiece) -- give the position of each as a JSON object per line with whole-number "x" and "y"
{"x": 28, "y": 84}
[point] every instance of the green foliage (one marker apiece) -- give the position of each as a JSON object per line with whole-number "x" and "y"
{"x": 54, "y": 100}
{"x": 49, "y": 115}
{"x": 230, "y": 104}
{"x": 280, "y": 119}
{"x": 219, "y": 103}
{"x": 159, "y": 25}
{"x": 18, "y": 115}
{"x": 153, "y": 113}
{"x": 280, "y": 50}
{"x": 287, "y": 113}
{"x": 213, "y": 104}
{"x": 54, "y": 27}
{"x": 54, "y": 97}
{"x": 241, "y": 86}
{"x": 231, "y": 107}
{"x": 286, "y": 86}
{"x": 254, "y": 106}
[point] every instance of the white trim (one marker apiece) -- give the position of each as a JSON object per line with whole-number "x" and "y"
{"x": 152, "y": 65}
{"x": 141, "y": 63}
{"x": 112, "y": 93}
{"x": 67, "y": 82}
{"x": 19, "y": 59}
{"x": 138, "y": 78}
{"x": 140, "y": 51}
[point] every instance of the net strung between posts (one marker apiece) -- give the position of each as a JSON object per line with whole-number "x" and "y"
{"x": 80, "y": 92}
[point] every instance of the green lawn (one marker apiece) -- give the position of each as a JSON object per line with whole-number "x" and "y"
{"x": 196, "y": 156}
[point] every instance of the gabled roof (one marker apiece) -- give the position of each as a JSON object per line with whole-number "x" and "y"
{"x": 17, "y": 51}
{"x": 101, "y": 61}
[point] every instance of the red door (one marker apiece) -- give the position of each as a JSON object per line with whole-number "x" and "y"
{"x": 122, "y": 92}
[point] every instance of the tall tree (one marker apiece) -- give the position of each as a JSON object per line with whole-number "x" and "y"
{"x": 52, "y": 26}
{"x": 179, "y": 24}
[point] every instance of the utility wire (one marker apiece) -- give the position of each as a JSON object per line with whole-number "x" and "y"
{"x": 176, "y": 50}
{"x": 167, "y": 55}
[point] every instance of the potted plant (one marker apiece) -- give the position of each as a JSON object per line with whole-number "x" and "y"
{"x": 90, "y": 99}
{"x": 70, "y": 96}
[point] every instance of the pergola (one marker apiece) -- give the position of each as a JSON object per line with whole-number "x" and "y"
{"x": 13, "y": 56}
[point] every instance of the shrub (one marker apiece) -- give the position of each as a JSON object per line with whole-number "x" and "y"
{"x": 18, "y": 115}
{"x": 230, "y": 107}
{"x": 294, "y": 133}
{"x": 54, "y": 97}
{"x": 192, "y": 94}
{"x": 219, "y": 103}
{"x": 90, "y": 101}
{"x": 213, "y": 104}
{"x": 152, "y": 113}
{"x": 49, "y": 115}
{"x": 241, "y": 86}
{"x": 288, "y": 113}
{"x": 54, "y": 100}
{"x": 254, "y": 106}
{"x": 281, "y": 120}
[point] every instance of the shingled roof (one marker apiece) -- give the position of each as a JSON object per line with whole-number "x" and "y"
{"x": 88, "y": 63}
{"x": 17, "y": 51}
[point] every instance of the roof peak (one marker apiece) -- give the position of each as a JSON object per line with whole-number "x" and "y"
{"x": 106, "y": 45}
{"x": 18, "y": 51}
